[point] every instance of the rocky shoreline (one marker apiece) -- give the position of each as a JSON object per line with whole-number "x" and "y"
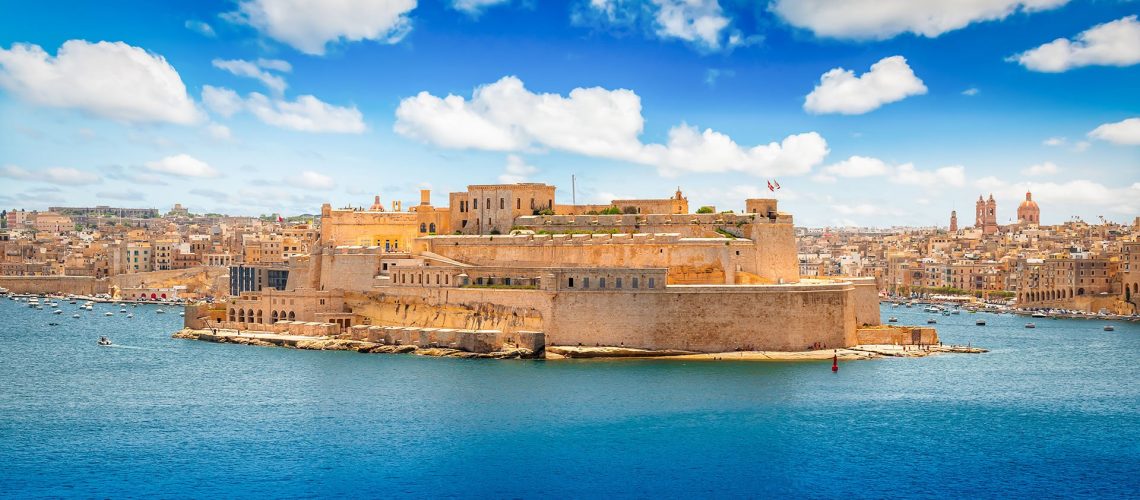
{"x": 265, "y": 339}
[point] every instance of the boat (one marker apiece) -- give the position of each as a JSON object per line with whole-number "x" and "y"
{"x": 33, "y": 302}
{"x": 980, "y": 322}
{"x": 931, "y": 321}
{"x": 182, "y": 313}
{"x": 53, "y": 324}
{"x": 108, "y": 313}
{"x": 956, "y": 311}
{"x": 1039, "y": 315}
{"x": 130, "y": 315}
{"x": 57, "y": 311}
{"x": 1030, "y": 325}
{"x": 159, "y": 311}
{"x": 945, "y": 313}
{"x": 76, "y": 315}
{"x": 892, "y": 319}
{"x": 1109, "y": 328}
{"x": 122, "y": 309}
{"x": 104, "y": 341}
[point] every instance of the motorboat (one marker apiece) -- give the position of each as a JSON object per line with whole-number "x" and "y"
{"x": 1109, "y": 328}
{"x": 1030, "y": 325}
{"x": 57, "y": 311}
{"x": 104, "y": 341}
{"x": 130, "y": 315}
{"x": 980, "y": 322}
{"x": 159, "y": 311}
{"x": 1039, "y": 315}
{"x": 182, "y": 313}
{"x": 931, "y": 321}
{"x": 945, "y": 313}
{"x": 122, "y": 309}
{"x": 892, "y": 319}
{"x": 76, "y": 315}
{"x": 108, "y": 313}
{"x": 33, "y": 302}
{"x": 956, "y": 311}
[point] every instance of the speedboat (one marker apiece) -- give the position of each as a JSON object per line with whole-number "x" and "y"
{"x": 931, "y": 321}
{"x": 980, "y": 322}
{"x": 1039, "y": 315}
{"x": 1109, "y": 328}
{"x": 892, "y": 319}
{"x": 956, "y": 311}
{"x": 182, "y": 313}
{"x": 1030, "y": 325}
{"x": 130, "y": 315}
{"x": 57, "y": 311}
{"x": 122, "y": 309}
{"x": 108, "y": 313}
{"x": 76, "y": 315}
{"x": 104, "y": 341}
{"x": 159, "y": 311}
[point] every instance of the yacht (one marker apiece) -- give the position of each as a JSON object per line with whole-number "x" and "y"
{"x": 57, "y": 311}
{"x": 108, "y": 313}
{"x": 76, "y": 315}
{"x": 33, "y": 302}
{"x": 159, "y": 311}
{"x": 1030, "y": 325}
{"x": 980, "y": 322}
{"x": 1039, "y": 315}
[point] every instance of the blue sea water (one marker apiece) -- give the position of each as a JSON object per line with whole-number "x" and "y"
{"x": 1049, "y": 412}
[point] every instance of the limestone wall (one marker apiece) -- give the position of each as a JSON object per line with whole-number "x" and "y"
{"x": 866, "y": 302}
{"x": 458, "y": 308}
{"x": 200, "y": 280}
{"x": 897, "y": 335}
{"x": 708, "y": 318}
{"x": 76, "y": 285}
{"x": 482, "y": 341}
{"x": 349, "y": 270}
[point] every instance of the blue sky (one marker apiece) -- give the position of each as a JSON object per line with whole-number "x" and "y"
{"x": 867, "y": 113}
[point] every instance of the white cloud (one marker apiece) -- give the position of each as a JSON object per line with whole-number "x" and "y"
{"x": 312, "y": 180}
{"x": 840, "y": 91}
{"x": 53, "y": 175}
{"x": 516, "y": 170}
{"x": 505, "y": 116}
{"x": 306, "y": 114}
{"x": 946, "y": 176}
{"x": 989, "y": 183}
{"x": 475, "y": 7}
{"x": 182, "y": 165}
{"x": 1124, "y": 132}
{"x": 252, "y": 70}
{"x": 1081, "y": 146}
{"x": 1076, "y": 195}
{"x": 700, "y": 23}
{"x": 857, "y": 166}
{"x": 219, "y": 131}
{"x": 1054, "y": 141}
{"x": 125, "y": 195}
{"x": 310, "y": 25}
{"x": 201, "y": 28}
{"x": 1040, "y": 169}
{"x": 972, "y": 91}
{"x": 110, "y": 80}
{"x": 881, "y": 19}
{"x": 275, "y": 65}
{"x": 222, "y": 101}
{"x": 1115, "y": 43}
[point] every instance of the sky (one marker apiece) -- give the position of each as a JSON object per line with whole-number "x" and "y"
{"x": 865, "y": 112}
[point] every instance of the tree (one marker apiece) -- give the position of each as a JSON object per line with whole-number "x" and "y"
{"x": 610, "y": 211}
{"x": 706, "y": 210}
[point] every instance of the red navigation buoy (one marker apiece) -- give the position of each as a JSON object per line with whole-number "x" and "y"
{"x": 834, "y": 363}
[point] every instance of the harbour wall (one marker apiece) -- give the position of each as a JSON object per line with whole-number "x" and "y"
{"x": 75, "y": 285}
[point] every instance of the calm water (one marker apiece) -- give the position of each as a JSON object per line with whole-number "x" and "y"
{"x": 1051, "y": 412}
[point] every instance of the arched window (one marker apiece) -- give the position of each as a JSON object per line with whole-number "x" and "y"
{"x": 292, "y": 317}
{"x": 431, "y": 227}
{"x": 274, "y": 316}
{"x": 233, "y": 315}
{"x": 423, "y": 227}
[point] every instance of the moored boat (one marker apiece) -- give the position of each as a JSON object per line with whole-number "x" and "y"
{"x": 1030, "y": 325}
{"x": 980, "y": 322}
{"x": 892, "y": 319}
{"x": 1109, "y": 328}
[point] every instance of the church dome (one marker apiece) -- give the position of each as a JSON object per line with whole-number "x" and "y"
{"x": 1028, "y": 203}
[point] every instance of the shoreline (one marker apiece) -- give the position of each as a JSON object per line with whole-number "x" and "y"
{"x": 555, "y": 352}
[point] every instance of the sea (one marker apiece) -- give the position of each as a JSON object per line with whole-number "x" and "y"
{"x": 1049, "y": 412}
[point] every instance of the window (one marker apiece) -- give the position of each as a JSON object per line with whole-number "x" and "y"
{"x": 488, "y": 203}
{"x": 635, "y": 282}
{"x": 585, "y": 283}
{"x": 423, "y": 227}
{"x": 570, "y": 283}
{"x": 518, "y": 205}
{"x": 650, "y": 282}
{"x": 476, "y": 203}
{"x": 502, "y": 203}
{"x": 601, "y": 282}
{"x": 617, "y": 283}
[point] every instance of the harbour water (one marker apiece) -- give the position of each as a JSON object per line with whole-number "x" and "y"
{"x": 1052, "y": 411}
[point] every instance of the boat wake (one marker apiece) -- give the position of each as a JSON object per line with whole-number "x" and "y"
{"x": 137, "y": 348}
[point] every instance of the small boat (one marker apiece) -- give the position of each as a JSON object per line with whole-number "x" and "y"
{"x": 931, "y": 321}
{"x": 892, "y": 319}
{"x": 71, "y": 302}
{"x": 88, "y": 307}
{"x": 108, "y": 313}
{"x": 130, "y": 315}
{"x": 104, "y": 341}
{"x": 76, "y": 315}
{"x": 53, "y": 324}
{"x": 1030, "y": 325}
{"x": 159, "y": 311}
{"x": 945, "y": 313}
{"x": 980, "y": 322}
{"x": 122, "y": 309}
{"x": 1039, "y": 315}
{"x": 57, "y": 311}
{"x": 956, "y": 311}
{"x": 182, "y": 313}
{"x": 1109, "y": 328}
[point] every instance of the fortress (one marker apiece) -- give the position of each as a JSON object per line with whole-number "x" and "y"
{"x": 505, "y": 264}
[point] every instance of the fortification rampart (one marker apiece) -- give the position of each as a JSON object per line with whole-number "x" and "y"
{"x": 76, "y": 285}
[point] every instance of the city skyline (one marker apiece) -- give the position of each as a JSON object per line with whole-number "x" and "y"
{"x": 885, "y": 116}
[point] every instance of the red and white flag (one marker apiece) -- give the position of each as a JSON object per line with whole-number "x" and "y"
{"x": 777, "y": 184}
{"x": 770, "y": 188}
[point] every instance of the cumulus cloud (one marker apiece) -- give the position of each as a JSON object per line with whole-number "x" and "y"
{"x": 989, "y": 183}
{"x": 305, "y": 113}
{"x": 310, "y": 25}
{"x": 858, "y": 166}
{"x": 219, "y": 132}
{"x": 107, "y": 79}
{"x": 182, "y": 165}
{"x": 516, "y": 170}
{"x": 840, "y": 91}
{"x": 1076, "y": 196}
{"x": 253, "y": 70}
{"x": 1040, "y": 169}
{"x": 946, "y": 176}
{"x": 475, "y": 7}
{"x": 53, "y": 175}
{"x": 878, "y": 19}
{"x": 1054, "y": 141}
{"x": 596, "y": 122}
{"x": 312, "y": 180}
{"x": 700, "y": 23}
{"x": 971, "y": 92}
{"x": 1115, "y": 43}
{"x": 124, "y": 195}
{"x": 1124, "y": 132}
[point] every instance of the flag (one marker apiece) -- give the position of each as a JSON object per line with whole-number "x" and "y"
{"x": 770, "y": 188}
{"x": 777, "y": 184}
{"x": 279, "y": 219}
